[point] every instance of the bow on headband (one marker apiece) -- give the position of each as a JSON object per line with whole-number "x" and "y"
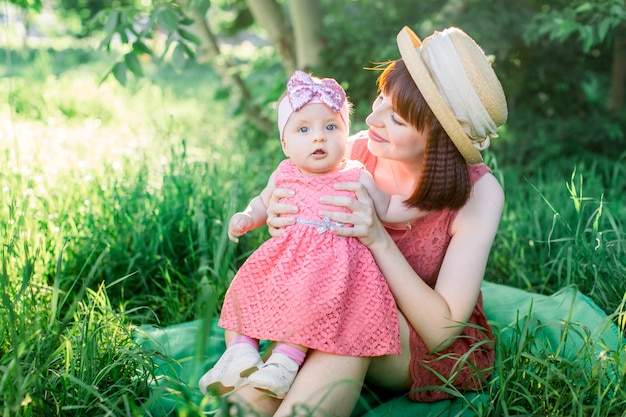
{"x": 302, "y": 88}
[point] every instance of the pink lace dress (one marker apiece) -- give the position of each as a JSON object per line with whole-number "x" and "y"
{"x": 424, "y": 246}
{"x": 312, "y": 287}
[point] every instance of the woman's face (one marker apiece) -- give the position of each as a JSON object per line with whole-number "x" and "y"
{"x": 390, "y": 136}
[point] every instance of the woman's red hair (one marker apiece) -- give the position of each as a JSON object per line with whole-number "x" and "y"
{"x": 444, "y": 181}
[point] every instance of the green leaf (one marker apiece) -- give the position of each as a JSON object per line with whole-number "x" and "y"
{"x": 109, "y": 27}
{"x": 190, "y": 53}
{"x": 119, "y": 72}
{"x": 28, "y": 4}
{"x": 123, "y": 36}
{"x": 619, "y": 11}
{"x": 168, "y": 43}
{"x": 111, "y": 22}
{"x": 185, "y": 34}
{"x": 187, "y": 21}
{"x": 603, "y": 30}
{"x": 201, "y": 5}
{"x": 587, "y": 38}
{"x": 133, "y": 64}
{"x": 565, "y": 28}
{"x": 168, "y": 19}
{"x": 583, "y": 8}
{"x": 151, "y": 23}
{"x": 141, "y": 48}
{"x": 179, "y": 58}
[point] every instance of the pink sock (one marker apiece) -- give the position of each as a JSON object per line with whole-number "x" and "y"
{"x": 244, "y": 339}
{"x": 291, "y": 352}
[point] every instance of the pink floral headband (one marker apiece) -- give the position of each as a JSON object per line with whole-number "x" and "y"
{"x": 303, "y": 89}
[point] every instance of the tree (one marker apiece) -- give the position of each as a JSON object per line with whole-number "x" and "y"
{"x": 27, "y": 4}
{"x": 187, "y": 30}
{"x": 26, "y": 8}
{"x": 307, "y": 24}
{"x": 268, "y": 14}
{"x": 618, "y": 71}
{"x": 531, "y": 42}
{"x": 591, "y": 23}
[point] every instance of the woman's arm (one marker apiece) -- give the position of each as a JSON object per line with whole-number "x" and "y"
{"x": 433, "y": 313}
{"x": 389, "y": 208}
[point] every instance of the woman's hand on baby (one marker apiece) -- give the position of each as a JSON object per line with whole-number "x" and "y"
{"x": 239, "y": 225}
{"x": 362, "y": 215}
{"x": 280, "y": 215}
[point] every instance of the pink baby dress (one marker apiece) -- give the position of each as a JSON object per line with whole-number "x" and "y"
{"x": 311, "y": 287}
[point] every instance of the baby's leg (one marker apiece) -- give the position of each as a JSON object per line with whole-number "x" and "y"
{"x": 279, "y": 371}
{"x": 240, "y": 359}
{"x": 230, "y": 335}
{"x": 296, "y": 353}
{"x": 232, "y": 338}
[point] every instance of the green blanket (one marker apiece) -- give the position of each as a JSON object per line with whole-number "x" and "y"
{"x": 183, "y": 352}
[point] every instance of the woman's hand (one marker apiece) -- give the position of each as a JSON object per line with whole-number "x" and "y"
{"x": 278, "y": 214}
{"x": 366, "y": 225}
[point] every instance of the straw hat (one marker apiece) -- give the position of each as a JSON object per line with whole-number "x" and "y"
{"x": 450, "y": 94}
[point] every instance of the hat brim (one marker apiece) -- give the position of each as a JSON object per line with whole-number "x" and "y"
{"x": 408, "y": 42}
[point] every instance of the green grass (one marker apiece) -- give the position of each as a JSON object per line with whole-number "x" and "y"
{"x": 112, "y": 216}
{"x": 533, "y": 379}
{"x": 561, "y": 230}
{"x": 64, "y": 352}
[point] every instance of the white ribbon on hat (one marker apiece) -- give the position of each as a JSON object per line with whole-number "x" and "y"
{"x": 457, "y": 90}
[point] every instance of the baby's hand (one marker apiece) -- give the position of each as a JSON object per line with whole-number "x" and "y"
{"x": 239, "y": 225}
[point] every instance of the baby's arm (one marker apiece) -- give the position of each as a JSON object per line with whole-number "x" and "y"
{"x": 389, "y": 208}
{"x": 254, "y": 216}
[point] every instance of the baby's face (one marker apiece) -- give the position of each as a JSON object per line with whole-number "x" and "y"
{"x": 315, "y": 139}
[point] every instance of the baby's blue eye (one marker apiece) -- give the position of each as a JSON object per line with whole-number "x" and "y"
{"x": 303, "y": 129}
{"x": 331, "y": 127}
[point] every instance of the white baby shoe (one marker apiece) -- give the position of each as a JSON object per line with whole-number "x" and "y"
{"x": 276, "y": 376}
{"x": 230, "y": 371}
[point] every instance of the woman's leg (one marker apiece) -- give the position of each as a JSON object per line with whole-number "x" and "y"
{"x": 391, "y": 372}
{"x": 327, "y": 384}
{"x": 254, "y": 403}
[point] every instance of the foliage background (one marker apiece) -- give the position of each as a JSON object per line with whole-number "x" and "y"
{"x": 114, "y": 197}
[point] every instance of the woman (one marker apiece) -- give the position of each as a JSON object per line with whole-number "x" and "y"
{"x": 438, "y": 106}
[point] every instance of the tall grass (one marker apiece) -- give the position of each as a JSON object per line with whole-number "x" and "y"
{"x": 558, "y": 231}
{"x": 113, "y": 204}
{"x": 62, "y": 352}
{"x": 533, "y": 379}
{"x": 108, "y": 219}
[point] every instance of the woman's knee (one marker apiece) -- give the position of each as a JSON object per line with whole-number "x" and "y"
{"x": 392, "y": 371}
{"x": 326, "y": 384}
